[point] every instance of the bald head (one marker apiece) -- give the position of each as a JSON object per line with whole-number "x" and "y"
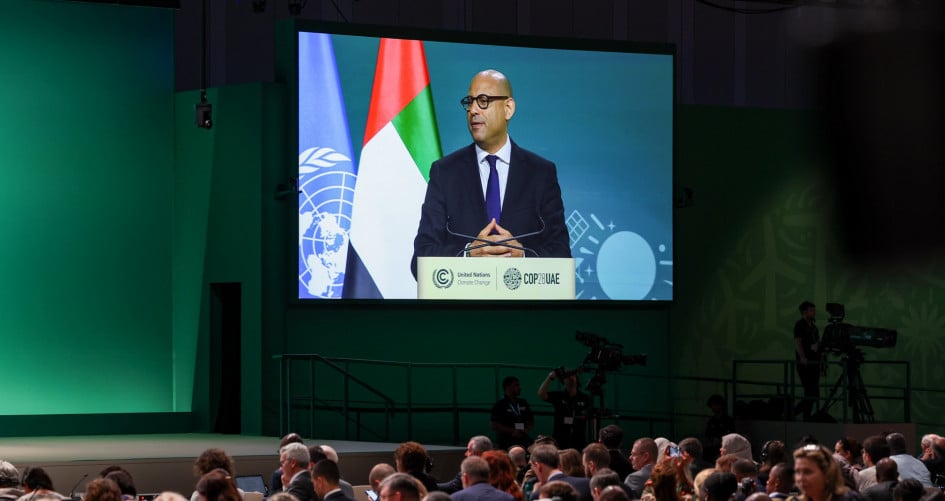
{"x": 886, "y": 470}
{"x": 378, "y": 473}
{"x": 499, "y": 78}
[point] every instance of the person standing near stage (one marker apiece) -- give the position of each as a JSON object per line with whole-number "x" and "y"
{"x": 572, "y": 408}
{"x": 807, "y": 356}
{"x": 512, "y": 417}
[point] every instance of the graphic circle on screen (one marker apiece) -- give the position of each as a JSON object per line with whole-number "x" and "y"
{"x": 626, "y": 266}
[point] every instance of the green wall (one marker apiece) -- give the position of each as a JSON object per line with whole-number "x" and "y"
{"x": 760, "y": 239}
{"x": 86, "y": 171}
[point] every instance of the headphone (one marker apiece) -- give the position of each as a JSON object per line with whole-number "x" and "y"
{"x": 764, "y": 451}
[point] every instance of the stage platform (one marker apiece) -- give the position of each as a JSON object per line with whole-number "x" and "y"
{"x": 165, "y": 462}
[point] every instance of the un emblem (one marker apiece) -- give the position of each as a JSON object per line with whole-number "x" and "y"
{"x": 512, "y": 278}
{"x": 443, "y": 278}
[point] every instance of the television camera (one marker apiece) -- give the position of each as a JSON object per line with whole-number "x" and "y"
{"x": 845, "y": 339}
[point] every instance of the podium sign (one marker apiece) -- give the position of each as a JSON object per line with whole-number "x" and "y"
{"x": 495, "y": 278}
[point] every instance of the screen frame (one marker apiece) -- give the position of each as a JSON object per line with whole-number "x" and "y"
{"x": 287, "y": 50}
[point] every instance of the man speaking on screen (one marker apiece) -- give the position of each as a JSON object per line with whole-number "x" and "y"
{"x": 492, "y": 198}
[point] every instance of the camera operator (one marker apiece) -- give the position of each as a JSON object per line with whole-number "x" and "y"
{"x": 572, "y": 409}
{"x": 806, "y": 338}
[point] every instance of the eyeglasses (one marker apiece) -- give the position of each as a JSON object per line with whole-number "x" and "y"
{"x": 482, "y": 100}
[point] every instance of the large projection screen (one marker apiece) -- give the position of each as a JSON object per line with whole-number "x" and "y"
{"x": 602, "y": 112}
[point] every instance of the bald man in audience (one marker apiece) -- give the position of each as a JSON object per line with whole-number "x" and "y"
{"x": 887, "y": 478}
{"x": 377, "y": 475}
{"x": 332, "y": 454}
{"x": 476, "y": 487}
{"x": 401, "y": 487}
{"x": 475, "y": 447}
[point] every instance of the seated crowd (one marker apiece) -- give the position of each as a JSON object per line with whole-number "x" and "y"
{"x": 654, "y": 469}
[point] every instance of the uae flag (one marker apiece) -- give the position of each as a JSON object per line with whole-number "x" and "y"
{"x": 401, "y": 140}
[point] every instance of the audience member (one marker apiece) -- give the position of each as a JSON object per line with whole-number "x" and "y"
{"x": 936, "y": 462}
{"x": 571, "y": 462}
{"x": 558, "y": 490}
{"x": 572, "y": 408}
{"x": 37, "y": 485}
{"x": 294, "y": 459}
{"x": 662, "y": 484}
{"x": 519, "y": 457}
{"x": 926, "y": 445}
{"x": 125, "y": 483}
{"x": 411, "y": 458}
{"x": 817, "y": 475}
{"x": 332, "y": 454}
{"x": 780, "y": 481}
{"x": 325, "y": 481}
{"x": 643, "y": 456}
{"x": 475, "y": 447}
{"x": 174, "y": 496}
{"x": 594, "y": 458}
{"x": 874, "y": 449}
{"x": 102, "y": 489}
{"x": 698, "y": 483}
{"x": 887, "y": 478}
{"x": 725, "y": 462}
{"x": 772, "y": 453}
{"x": 909, "y": 489}
{"x": 733, "y": 443}
{"x": 909, "y": 467}
{"x": 612, "y": 438}
{"x": 603, "y": 478}
{"x": 511, "y": 418}
{"x": 502, "y": 473}
{"x": 209, "y": 460}
{"x": 476, "y": 485}
{"x": 275, "y": 480}
{"x": 437, "y": 496}
{"x": 218, "y": 485}
{"x": 530, "y": 479}
{"x": 378, "y": 473}
{"x": 401, "y": 487}
{"x": 691, "y": 448}
{"x": 719, "y": 425}
{"x": 613, "y": 493}
{"x": 546, "y": 465}
{"x": 718, "y": 486}
{"x": 758, "y": 496}
{"x": 9, "y": 481}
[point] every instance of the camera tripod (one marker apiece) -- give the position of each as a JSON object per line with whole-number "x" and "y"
{"x": 852, "y": 380}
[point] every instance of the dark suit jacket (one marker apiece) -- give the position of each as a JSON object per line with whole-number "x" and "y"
{"x": 481, "y": 492}
{"x": 637, "y": 480}
{"x": 454, "y": 195}
{"x": 301, "y": 487}
{"x": 337, "y": 496}
{"x": 620, "y": 464}
{"x": 580, "y": 484}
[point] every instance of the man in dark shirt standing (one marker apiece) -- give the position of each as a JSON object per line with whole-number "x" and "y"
{"x": 572, "y": 408}
{"x": 806, "y": 339}
{"x": 512, "y": 417}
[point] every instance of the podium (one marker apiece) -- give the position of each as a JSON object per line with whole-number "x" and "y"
{"x": 495, "y": 278}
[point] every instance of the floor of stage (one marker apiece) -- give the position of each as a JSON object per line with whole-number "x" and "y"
{"x": 165, "y": 462}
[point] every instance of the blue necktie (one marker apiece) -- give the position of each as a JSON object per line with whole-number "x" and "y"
{"x": 493, "y": 200}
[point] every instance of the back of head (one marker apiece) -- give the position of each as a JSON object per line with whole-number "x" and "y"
{"x": 330, "y": 452}
{"x": 598, "y": 454}
{"x": 558, "y": 491}
{"x": 604, "y": 477}
{"x": 733, "y": 443}
{"x": 9, "y": 475}
{"x": 410, "y": 488}
{"x": 725, "y": 463}
{"x": 518, "y": 455}
{"x": 877, "y": 447}
{"x": 613, "y": 493}
{"x": 663, "y": 481}
{"x": 316, "y": 453}
{"x": 102, "y": 489}
{"x": 744, "y": 468}
{"x": 611, "y": 436}
{"x": 212, "y": 459}
{"x": 569, "y": 461}
{"x": 897, "y": 443}
{"x": 328, "y": 470}
{"x": 123, "y": 480}
{"x": 291, "y": 438}
{"x": 476, "y": 469}
{"x": 691, "y": 446}
{"x": 546, "y": 455}
{"x": 501, "y": 470}
{"x": 379, "y": 472}
{"x": 172, "y": 496}
{"x": 849, "y": 445}
{"x": 437, "y": 496}
{"x": 481, "y": 443}
{"x": 909, "y": 489}
{"x": 218, "y": 485}
{"x": 37, "y": 478}
{"x": 773, "y": 452}
{"x": 720, "y": 486}
{"x": 411, "y": 457}
{"x": 886, "y": 470}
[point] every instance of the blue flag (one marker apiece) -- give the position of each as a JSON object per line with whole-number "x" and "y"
{"x": 327, "y": 173}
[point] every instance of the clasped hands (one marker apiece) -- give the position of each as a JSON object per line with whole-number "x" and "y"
{"x": 495, "y": 250}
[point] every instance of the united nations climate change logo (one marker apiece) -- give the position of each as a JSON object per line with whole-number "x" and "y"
{"x": 512, "y": 278}
{"x": 442, "y": 278}
{"x": 326, "y": 184}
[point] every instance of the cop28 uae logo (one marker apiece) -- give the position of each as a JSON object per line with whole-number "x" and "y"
{"x": 512, "y": 278}
{"x": 443, "y": 278}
